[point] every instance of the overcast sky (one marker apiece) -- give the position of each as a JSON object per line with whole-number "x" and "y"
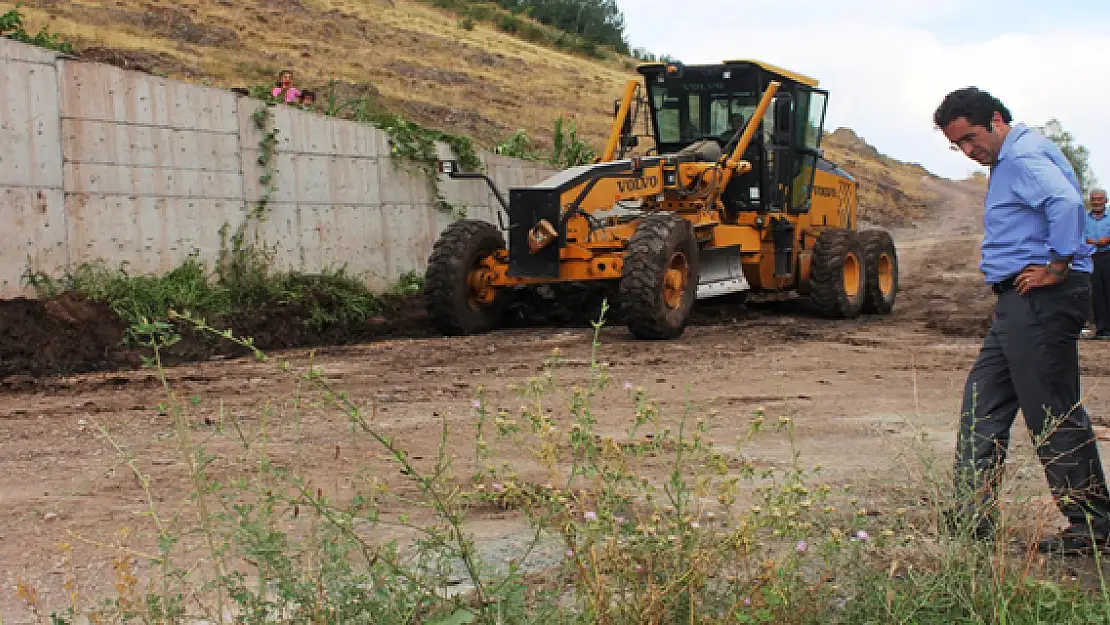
{"x": 888, "y": 63}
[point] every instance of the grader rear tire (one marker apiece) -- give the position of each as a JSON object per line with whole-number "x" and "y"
{"x": 838, "y": 275}
{"x": 454, "y": 296}
{"x": 881, "y": 262}
{"x": 660, "y": 277}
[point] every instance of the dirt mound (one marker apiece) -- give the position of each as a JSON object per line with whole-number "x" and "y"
{"x": 70, "y": 334}
{"x": 66, "y": 333}
{"x": 285, "y": 326}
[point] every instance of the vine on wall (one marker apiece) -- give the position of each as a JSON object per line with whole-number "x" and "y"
{"x": 239, "y": 260}
{"x": 416, "y": 144}
{"x": 267, "y": 146}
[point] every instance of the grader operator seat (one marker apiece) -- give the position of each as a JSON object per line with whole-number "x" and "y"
{"x": 702, "y": 151}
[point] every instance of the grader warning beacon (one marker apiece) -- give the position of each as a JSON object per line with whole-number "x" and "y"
{"x": 734, "y": 196}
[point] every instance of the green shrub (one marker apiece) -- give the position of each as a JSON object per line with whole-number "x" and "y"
{"x": 519, "y": 145}
{"x": 567, "y": 149}
{"x": 11, "y": 26}
{"x": 509, "y": 23}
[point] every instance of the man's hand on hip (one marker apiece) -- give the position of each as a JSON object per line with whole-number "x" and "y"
{"x": 1036, "y": 276}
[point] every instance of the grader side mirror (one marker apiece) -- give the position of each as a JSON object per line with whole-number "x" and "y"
{"x": 447, "y": 167}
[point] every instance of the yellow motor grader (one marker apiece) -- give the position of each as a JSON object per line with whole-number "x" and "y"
{"x": 734, "y": 196}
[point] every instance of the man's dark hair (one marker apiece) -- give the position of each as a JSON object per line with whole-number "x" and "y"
{"x": 976, "y": 105}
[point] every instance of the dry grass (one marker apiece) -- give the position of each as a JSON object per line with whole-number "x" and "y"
{"x": 481, "y": 82}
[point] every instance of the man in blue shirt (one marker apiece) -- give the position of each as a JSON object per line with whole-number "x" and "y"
{"x": 1036, "y": 259}
{"x": 1097, "y": 233}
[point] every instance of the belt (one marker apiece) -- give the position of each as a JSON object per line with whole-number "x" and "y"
{"x": 1008, "y": 284}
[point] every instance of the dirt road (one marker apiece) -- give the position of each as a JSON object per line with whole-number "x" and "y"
{"x": 860, "y": 392}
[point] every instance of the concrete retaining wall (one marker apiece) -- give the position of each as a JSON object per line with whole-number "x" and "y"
{"x": 32, "y": 198}
{"x": 103, "y": 164}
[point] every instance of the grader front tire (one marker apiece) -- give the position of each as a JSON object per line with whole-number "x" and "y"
{"x": 881, "y": 262}
{"x": 838, "y": 275}
{"x": 456, "y": 294}
{"x": 660, "y": 277}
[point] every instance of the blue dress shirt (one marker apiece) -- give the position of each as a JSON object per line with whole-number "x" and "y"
{"x": 1034, "y": 210}
{"x": 1097, "y": 228}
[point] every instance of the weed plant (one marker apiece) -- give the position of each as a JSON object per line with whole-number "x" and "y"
{"x": 11, "y": 26}
{"x": 567, "y": 150}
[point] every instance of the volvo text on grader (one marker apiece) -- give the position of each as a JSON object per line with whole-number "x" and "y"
{"x": 734, "y": 197}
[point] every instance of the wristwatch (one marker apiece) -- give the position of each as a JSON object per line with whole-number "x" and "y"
{"x": 1056, "y": 271}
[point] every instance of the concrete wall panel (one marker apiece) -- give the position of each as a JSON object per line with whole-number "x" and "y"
{"x": 92, "y": 91}
{"x": 33, "y": 236}
{"x": 149, "y": 234}
{"x": 29, "y": 135}
{"x": 408, "y": 238}
{"x": 152, "y": 182}
{"x": 33, "y": 231}
{"x": 109, "y": 143}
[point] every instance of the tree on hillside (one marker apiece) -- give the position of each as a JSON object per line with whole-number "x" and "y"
{"x": 600, "y": 21}
{"x": 1078, "y": 155}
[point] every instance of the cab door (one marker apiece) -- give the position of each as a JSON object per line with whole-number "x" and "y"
{"x": 809, "y": 124}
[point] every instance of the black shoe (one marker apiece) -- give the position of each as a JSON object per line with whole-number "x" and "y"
{"x": 1076, "y": 540}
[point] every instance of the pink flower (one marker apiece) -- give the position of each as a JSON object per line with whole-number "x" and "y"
{"x": 628, "y": 386}
{"x": 862, "y": 535}
{"x": 477, "y": 404}
{"x": 590, "y": 515}
{"x": 801, "y": 547}
{"x": 497, "y": 487}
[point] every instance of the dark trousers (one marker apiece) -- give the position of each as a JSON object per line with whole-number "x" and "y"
{"x": 1030, "y": 360}
{"x": 1100, "y": 292}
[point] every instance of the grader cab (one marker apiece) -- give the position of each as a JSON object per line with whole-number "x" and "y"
{"x": 734, "y": 196}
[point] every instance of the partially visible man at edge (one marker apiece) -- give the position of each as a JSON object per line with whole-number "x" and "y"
{"x": 1036, "y": 260}
{"x": 1097, "y": 233}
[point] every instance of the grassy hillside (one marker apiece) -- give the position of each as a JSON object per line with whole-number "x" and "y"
{"x": 428, "y": 64}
